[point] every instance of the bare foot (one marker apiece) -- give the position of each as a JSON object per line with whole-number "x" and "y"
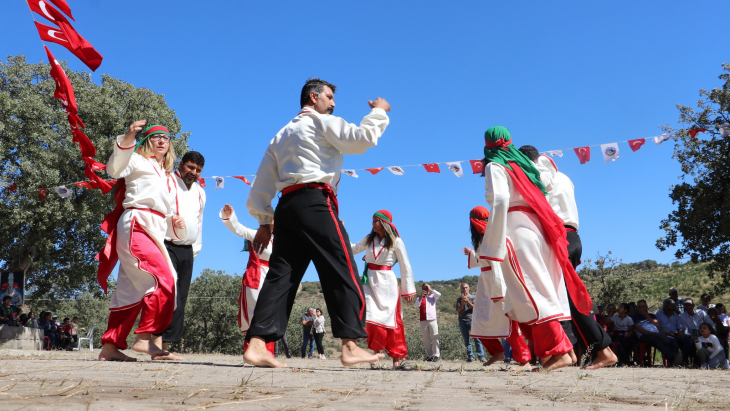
{"x": 556, "y": 361}
{"x": 523, "y": 367}
{"x": 110, "y": 352}
{"x": 573, "y": 357}
{"x": 257, "y": 355}
{"x": 604, "y": 358}
{"x": 144, "y": 344}
{"x": 352, "y": 354}
{"x": 496, "y": 357}
{"x": 168, "y": 357}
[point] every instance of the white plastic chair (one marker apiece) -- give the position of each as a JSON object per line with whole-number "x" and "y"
{"x": 89, "y": 337}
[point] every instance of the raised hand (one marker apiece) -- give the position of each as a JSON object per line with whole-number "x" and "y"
{"x": 466, "y": 250}
{"x": 227, "y": 211}
{"x": 379, "y": 103}
{"x": 132, "y": 131}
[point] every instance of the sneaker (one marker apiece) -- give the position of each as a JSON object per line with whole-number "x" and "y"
{"x": 436, "y": 358}
{"x": 471, "y": 359}
{"x": 482, "y": 359}
{"x": 726, "y": 365}
{"x": 704, "y": 367}
{"x": 429, "y": 359}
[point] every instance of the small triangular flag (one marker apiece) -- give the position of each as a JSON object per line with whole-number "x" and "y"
{"x": 242, "y": 178}
{"x": 610, "y": 152}
{"x": 218, "y": 182}
{"x": 201, "y": 181}
{"x": 583, "y": 153}
{"x": 455, "y": 167}
{"x": 350, "y": 173}
{"x": 662, "y": 138}
{"x": 432, "y": 168}
{"x": 62, "y": 191}
{"x": 374, "y": 171}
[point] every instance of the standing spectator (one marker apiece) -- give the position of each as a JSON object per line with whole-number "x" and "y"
{"x": 318, "y": 332}
{"x": 622, "y": 326}
{"x": 709, "y": 348}
{"x": 673, "y": 327}
{"x": 678, "y": 302}
{"x": 465, "y": 307}
{"x": 706, "y": 302}
{"x": 646, "y": 328}
{"x": 307, "y": 323}
{"x": 693, "y": 318}
{"x": 429, "y": 326}
{"x": 8, "y": 313}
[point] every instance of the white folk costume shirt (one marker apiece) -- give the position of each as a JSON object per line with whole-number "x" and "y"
{"x": 189, "y": 204}
{"x": 521, "y": 257}
{"x": 148, "y": 187}
{"x": 382, "y": 291}
{"x": 489, "y": 307}
{"x": 248, "y": 299}
{"x": 561, "y": 193}
{"x": 309, "y": 150}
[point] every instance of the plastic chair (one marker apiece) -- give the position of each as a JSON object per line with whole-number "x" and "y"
{"x": 641, "y": 352}
{"x": 89, "y": 337}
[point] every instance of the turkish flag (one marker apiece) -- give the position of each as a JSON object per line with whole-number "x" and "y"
{"x": 201, "y": 181}
{"x": 13, "y": 187}
{"x": 61, "y": 4}
{"x": 94, "y": 165}
{"x": 86, "y": 146}
{"x": 636, "y": 144}
{"x": 584, "y": 154}
{"x": 432, "y": 168}
{"x": 76, "y": 44}
{"x": 87, "y": 184}
{"x": 87, "y": 54}
{"x": 64, "y": 90}
{"x": 693, "y": 132}
{"x": 374, "y": 171}
{"x": 242, "y": 178}
{"x": 43, "y": 193}
{"x": 477, "y": 166}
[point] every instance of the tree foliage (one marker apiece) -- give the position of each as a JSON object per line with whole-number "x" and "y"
{"x": 56, "y": 240}
{"x": 608, "y": 280}
{"x": 701, "y": 222}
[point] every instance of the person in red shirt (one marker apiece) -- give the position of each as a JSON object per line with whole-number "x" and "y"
{"x": 426, "y": 303}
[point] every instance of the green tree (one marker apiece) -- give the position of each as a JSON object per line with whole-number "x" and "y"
{"x": 701, "y": 222}
{"x": 608, "y": 280}
{"x": 56, "y": 240}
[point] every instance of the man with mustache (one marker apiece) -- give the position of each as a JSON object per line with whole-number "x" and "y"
{"x": 183, "y": 245}
{"x": 303, "y": 162}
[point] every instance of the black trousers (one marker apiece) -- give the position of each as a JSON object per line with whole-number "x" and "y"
{"x": 307, "y": 229}
{"x": 590, "y": 332}
{"x": 182, "y": 260}
{"x": 318, "y": 339}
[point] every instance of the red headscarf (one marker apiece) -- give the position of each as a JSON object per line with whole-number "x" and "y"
{"x": 478, "y": 216}
{"x": 385, "y": 216}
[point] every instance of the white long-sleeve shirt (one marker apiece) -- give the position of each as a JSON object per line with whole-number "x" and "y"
{"x": 310, "y": 150}
{"x": 711, "y": 343}
{"x": 561, "y": 192}
{"x": 147, "y": 186}
{"x": 430, "y": 304}
{"x": 375, "y": 255}
{"x": 189, "y": 204}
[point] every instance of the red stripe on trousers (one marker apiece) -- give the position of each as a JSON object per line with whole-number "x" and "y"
{"x": 157, "y": 307}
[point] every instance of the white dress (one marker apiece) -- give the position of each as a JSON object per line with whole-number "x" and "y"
{"x": 489, "y": 302}
{"x": 247, "y": 300}
{"x": 523, "y": 264}
{"x": 147, "y": 188}
{"x": 382, "y": 291}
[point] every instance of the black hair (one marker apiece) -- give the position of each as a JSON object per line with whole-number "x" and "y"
{"x": 710, "y": 326}
{"x": 625, "y": 305}
{"x": 7, "y": 297}
{"x": 531, "y": 152}
{"x": 476, "y": 236}
{"x": 705, "y": 295}
{"x": 316, "y": 85}
{"x": 195, "y": 157}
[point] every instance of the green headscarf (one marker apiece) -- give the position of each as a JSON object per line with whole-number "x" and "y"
{"x": 499, "y": 149}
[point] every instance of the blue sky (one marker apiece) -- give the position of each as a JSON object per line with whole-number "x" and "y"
{"x": 557, "y": 74}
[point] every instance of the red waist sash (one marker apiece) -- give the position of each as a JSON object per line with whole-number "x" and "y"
{"x": 525, "y": 209}
{"x": 486, "y": 269}
{"x": 379, "y": 267}
{"x": 571, "y": 228}
{"x": 320, "y": 186}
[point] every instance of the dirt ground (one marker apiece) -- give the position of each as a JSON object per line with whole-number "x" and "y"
{"x": 32, "y": 380}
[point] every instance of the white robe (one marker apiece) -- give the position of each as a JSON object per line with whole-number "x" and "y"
{"x": 188, "y": 203}
{"x": 247, "y": 300}
{"x": 561, "y": 195}
{"x": 147, "y": 187}
{"x": 382, "y": 291}
{"x": 489, "y": 302}
{"x": 531, "y": 279}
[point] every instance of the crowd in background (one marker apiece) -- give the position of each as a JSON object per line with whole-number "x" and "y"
{"x": 57, "y": 335}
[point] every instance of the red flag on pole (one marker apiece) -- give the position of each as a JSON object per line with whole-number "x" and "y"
{"x": 75, "y": 43}
{"x": 432, "y": 168}
{"x": 43, "y": 193}
{"x": 242, "y": 178}
{"x": 693, "y": 132}
{"x": 201, "y": 181}
{"x": 584, "y": 154}
{"x": 86, "y": 53}
{"x": 87, "y": 184}
{"x": 374, "y": 171}
{"x": 477, "y": 166}
{"x": 637, "y": 143}
{"x": 64, "y": 91}
{"x": 63, "y": 6}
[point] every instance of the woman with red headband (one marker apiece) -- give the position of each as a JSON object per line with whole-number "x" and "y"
{"x": 489, "y": 302}
{"x": 256, "y": 270}
{"x": 384, "y": 248}
{"x": 137, "y": 226}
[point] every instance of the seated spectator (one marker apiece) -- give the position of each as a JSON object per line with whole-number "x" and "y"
{"x": 600, "y": 316}
{"x": 721, "y": 329}
{"x": 64, "y": 332}
{"x": 693, "y": 318}
{"x": 75, "y": 330}
{"x": 709, "y": 348}
{"x": 646, "y": 329}
{"x": 706, "y": 303}
{"x": 622, "y": 326}
{"x": 49, "y": 329}
{"x": 632, "y": 309}
{"x": 32, "y": 322}
{"x": 22, "y": 320}
{"x": 9, "y": 313}
{"x": 673, "y": 327}
{"x": 720, "y": 307}
{"x": 679, "y": 302}
{"x": 610, "y": 312}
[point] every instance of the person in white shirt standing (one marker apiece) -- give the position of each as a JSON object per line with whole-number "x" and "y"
{"x": 426, "y": 304}
{"x": 303, "y": 162}
{"x": 184, "y": 245}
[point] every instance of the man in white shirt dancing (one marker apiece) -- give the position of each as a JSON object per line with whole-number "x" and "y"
{"x": 303, "y": 162}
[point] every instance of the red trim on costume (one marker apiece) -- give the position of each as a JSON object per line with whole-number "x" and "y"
{"x": 264, "y": 263}
{"x": 157, "y": 129}
{"x": 551, "y": 160}
{"x": 571, "y": 228}
{"x": 499, "y": 260}
{"x": 125, "y": 148}
{"x": 139, "y": 261}
{"x": 304, "y": 112}
{"x": 546, "y": 319}
{"x": 468, "y": 260}
{"x": 582, "y": 337}
{"x": 225, "y": 219}
{"x": 487, "y": 336}
{"x": 485, "y": 269}
{"x": 408, "y": 295}
{"x": 524, "y": 209}
{"x": 375, "y": 256}
{"x": 498, "y": 299}
{"x": 381, "y": 325}
{"x": 518, "y": 271}
{"x": 374, "y": 267}
{"x": 149, "y": 210}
